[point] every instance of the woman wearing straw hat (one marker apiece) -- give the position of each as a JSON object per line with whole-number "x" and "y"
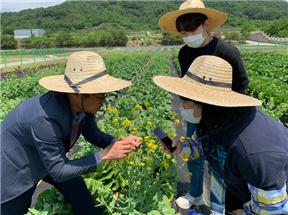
{"x": 193, "y": 22}
{"x": 242, "y": 144}
{"x": 37, "y": 134}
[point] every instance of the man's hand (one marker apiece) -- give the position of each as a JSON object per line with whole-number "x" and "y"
{"x": 120, "y": 149}
{"x": 134, "y": 140}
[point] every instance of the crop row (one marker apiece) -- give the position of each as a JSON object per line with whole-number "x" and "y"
{"x": 144, "y": 182}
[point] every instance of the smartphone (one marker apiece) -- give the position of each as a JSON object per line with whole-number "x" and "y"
{"x": 162, "y": 136}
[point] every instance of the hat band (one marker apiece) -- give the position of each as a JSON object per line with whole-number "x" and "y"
{"x": 86, "y": 80}
{"x": 208, "y": 82}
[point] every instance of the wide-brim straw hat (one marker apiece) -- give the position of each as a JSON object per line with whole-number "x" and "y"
{"x": 85, "y": 73}
{"x": 215, "y": 19}
{"x": 208, "y": 80}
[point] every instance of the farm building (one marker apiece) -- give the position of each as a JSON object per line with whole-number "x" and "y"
{"x": 26, "y": 33}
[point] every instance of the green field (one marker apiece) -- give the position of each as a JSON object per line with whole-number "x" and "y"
{"x": 144, "y": 182}
{"x": 12, "y": 60}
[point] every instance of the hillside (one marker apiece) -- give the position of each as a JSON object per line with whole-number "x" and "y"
{"x": 131, "y": 16}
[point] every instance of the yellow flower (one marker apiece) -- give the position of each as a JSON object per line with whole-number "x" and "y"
{"x": 131, "y": 162}
{"x": 141, "y": 139}
{"x": 138, "y": 107}
{"x": 134, "y": 130}
{"x": 185, "y": 157}
{"x": 151, "y": 145}
{"x": 149, "y": 160}
{"x": 142, "y": 164}
{"x": 177, "y": 122}
{"x": 154, "y": 147}
{"x": 109, "y": 109}
{"x": 152, "y": 141}
{"x": 183, "y": 139}
{"x": 115, "y": 121}
{"x": 149, "y": 123}
{"x": 165, "y": 164}
{"x": 126, "y": 122}
{"x": 173, "y": 114}
{"x": 168, "y": 156}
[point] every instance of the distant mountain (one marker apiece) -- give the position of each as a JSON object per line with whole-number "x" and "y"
{"x": 130, "y": 16}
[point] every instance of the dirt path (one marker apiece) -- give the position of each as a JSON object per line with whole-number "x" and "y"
{"x": 250, "y": 42}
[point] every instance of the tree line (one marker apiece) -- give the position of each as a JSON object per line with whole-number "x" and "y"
{"x": 78, "y": 23}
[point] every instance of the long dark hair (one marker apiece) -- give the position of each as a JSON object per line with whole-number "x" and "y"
{"x": 216, "y": 118}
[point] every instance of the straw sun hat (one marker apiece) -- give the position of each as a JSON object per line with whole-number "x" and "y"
{"x": 208, "y": 80}
{"x": 85, "y": 73}
{"x": 215, "y": 19}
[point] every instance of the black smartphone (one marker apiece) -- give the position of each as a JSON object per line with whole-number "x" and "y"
{"x": 162, "y": 136}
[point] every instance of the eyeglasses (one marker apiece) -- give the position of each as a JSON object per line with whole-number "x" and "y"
{"x": 101, "y": 96}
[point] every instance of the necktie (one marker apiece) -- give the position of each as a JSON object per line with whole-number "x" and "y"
{"x": 74, "y": 131}
{"x": 74, "y": 128}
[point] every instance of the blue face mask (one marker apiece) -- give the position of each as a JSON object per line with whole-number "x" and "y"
{"x": 194, "y": 41}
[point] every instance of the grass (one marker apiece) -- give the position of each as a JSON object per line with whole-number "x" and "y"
{"x": 283, "y": 49}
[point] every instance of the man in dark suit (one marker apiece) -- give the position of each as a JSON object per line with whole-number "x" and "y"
{"x": 36, "y": 135}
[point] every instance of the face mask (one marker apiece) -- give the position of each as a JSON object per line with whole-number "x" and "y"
{"x": 194, "y": 41}
{"x": 189, "y": 115}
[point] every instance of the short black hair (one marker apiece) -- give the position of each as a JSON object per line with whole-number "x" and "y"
{"x": 190, "y": 21}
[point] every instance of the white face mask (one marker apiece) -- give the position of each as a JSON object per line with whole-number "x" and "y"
{"x": 194, "y": 41}
{"x": 189, "y": 116}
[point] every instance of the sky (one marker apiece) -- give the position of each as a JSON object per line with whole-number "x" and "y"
{"x": 17, "y": 5}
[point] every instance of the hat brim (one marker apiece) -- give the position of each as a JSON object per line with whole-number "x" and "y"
{"x": 216, "y": 19}
{"x": 103, "y": 84}
{"x": 201, "y": 93}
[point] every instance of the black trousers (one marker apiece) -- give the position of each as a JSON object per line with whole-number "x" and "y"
{"x": 75, "y": 192}
{"x": 232, "y": 202}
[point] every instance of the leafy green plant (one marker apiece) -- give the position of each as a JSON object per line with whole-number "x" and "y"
{"x": 145, "y": 181}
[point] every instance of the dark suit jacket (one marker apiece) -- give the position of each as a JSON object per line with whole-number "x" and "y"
{"x": 35, "y": 137}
